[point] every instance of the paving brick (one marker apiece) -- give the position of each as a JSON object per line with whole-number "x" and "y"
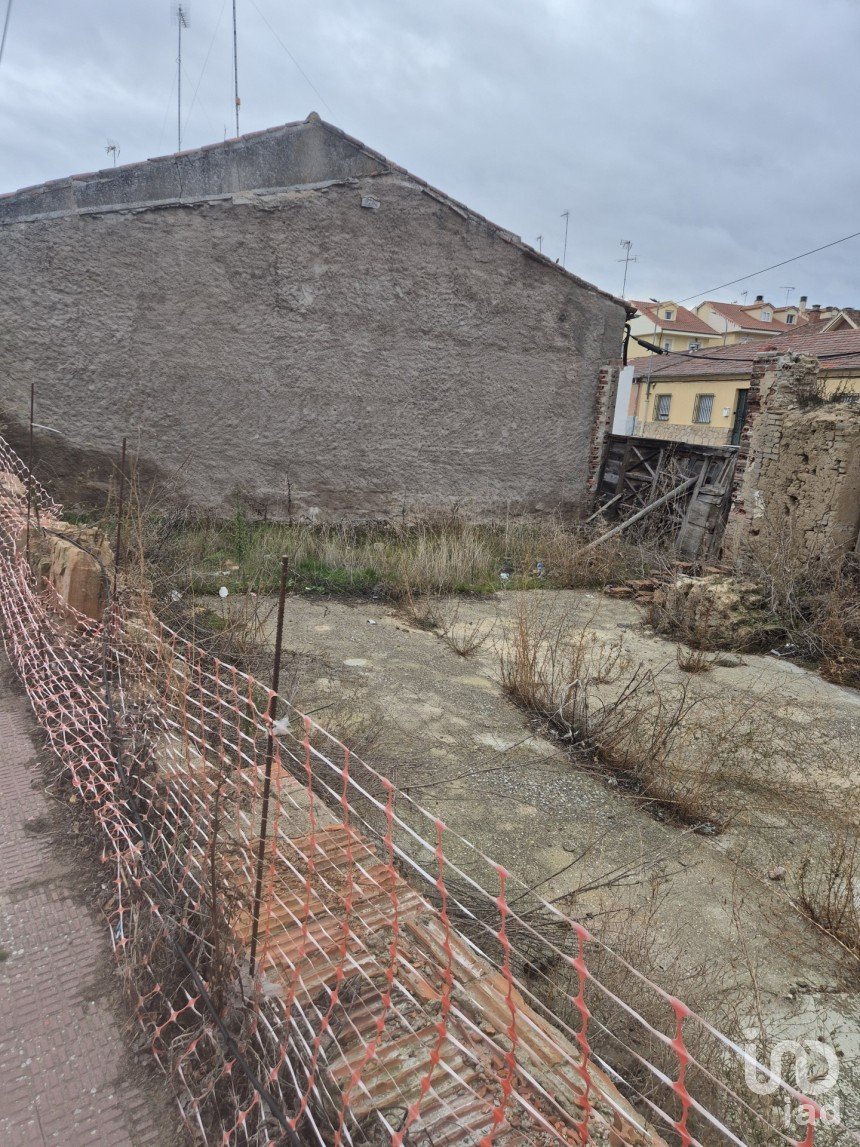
{"x": 62, "y": 1053}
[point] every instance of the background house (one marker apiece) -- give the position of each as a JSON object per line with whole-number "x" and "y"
{"x": 737, "y": 323}
{"x": 703, "y": 400}
{"x": 669, "y": 326}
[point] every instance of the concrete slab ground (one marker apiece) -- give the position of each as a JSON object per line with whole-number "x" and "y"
{"x": 67, "y": 1074}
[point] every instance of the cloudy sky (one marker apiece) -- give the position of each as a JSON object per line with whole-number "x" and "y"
{"x": 720, "y": 136}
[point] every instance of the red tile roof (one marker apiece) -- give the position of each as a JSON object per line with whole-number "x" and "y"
{"x": 735, "y": 313}
{"x": 737, "y": 360}
{"x": 686, "y": 322}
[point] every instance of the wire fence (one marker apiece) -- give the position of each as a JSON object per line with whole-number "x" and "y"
{"x": 316, "y": 958}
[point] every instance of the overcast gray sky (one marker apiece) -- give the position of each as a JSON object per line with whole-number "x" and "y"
{"x": 719, "y": 135}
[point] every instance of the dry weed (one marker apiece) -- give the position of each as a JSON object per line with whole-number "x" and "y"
{"x": 828, "y": 891}
{"x": 687, "y": 761}
{"x": 694, "y": 660}
{"x": 464, "y": 637}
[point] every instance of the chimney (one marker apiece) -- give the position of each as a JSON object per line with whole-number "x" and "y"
{"x": 759, "y": 298}
{"x": 816, "y": 306}
{"x": 803, "y": 300}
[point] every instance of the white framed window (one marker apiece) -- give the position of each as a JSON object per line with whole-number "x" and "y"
{"x": 661, "y": 407}
{"x": 766, "y": 316}
{"x": 789, "y": 319}
{"x": 669, "y": 316}
{"x": 667, "y": 344}
{"x": 703, "y": 408}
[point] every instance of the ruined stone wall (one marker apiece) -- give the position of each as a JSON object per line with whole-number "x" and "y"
{"x": 320, "y": 355}
{"x": 797, "y": 486}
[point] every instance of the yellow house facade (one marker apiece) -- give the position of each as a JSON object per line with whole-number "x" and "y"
{"x": 703, "y": 399}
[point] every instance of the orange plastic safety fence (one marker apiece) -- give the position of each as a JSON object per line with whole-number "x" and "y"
{"x": 397, "y": 994}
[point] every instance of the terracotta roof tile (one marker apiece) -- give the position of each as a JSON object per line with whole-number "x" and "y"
{"x": 735, "y": 313}
{"x": 738, "y": 359}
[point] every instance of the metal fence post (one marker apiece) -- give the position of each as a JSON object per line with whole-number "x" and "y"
{"x": 270, "y": 753}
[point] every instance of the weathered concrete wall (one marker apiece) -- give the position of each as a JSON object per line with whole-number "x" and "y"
{"x": 798, "y": 482}
{"x": 320, "y": 356}
{"x": 298, "y": 153}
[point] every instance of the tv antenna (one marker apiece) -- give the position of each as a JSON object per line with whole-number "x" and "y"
{"x": 539, "y": 242}
{"x": 565, "y": 215}
{"x": 112, "y": 148}
{"x": 236, "y": 99}
{"x": 788, "y": 291}
{"x": 181, "y": 15}
{"x": 628, "y": 258}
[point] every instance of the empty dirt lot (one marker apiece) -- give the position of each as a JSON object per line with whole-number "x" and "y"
{"x": 706, "y": 906}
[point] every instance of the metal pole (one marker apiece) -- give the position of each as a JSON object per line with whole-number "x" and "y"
{"x": 179, "y": 19}
{"x": 270, "y": 754}
{"x": 30, "y": 469}
{"x": 235, "y": 69}
{"x": 119, "y": 517}
{"x": 566, "y": 217}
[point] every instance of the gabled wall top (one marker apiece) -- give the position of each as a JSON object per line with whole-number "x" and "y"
{"x": 293, "y": 155}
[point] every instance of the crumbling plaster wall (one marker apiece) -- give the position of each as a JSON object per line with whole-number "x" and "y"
{"x": 798, "y": 483}
{"x": 323, "y": 357}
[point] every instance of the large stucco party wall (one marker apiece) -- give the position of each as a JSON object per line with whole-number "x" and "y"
{"x": 313, "y": 327}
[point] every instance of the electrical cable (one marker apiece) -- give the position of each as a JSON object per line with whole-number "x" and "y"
{"x": 725, "y": 358}
{"x": 301, "y": 70}
{"x": 772, "y": 267}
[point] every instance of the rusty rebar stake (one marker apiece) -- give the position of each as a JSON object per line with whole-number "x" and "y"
{"x": 30, "y": 469}
{"x": 120, "y": 507}
{"x": 270, "y": 756}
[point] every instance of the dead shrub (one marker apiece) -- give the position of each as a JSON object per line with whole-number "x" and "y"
{"x": 424, "y": 611}
{"x": 464, "y": 637}
{"x": 814, "y": 595}
{"x": 828, "y": 891}
{"x": 654, "y": 736}
{"x": 694, "y": 660}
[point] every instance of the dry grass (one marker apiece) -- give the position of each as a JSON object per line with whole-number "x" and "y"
{"x": 439, "y": 555}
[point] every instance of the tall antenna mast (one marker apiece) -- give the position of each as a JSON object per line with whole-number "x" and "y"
{"x": 565, "y": 215}
{"x": 236, "y": 70}
{"x": 627, "y": 260}
{"x": 182, "y": 15}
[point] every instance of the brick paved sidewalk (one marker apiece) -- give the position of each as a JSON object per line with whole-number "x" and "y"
{"x": 66, "y": 1074}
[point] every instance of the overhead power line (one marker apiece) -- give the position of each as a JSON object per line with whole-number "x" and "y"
{"x": 298, "y": 66}
{"x": 772, "y": 267}
{"x": 699, "y": 355}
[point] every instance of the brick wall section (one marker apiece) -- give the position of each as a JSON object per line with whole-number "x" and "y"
{"x": 674, "y": 432}
{"x": 604, "y": 413}
{"x": 797, "y": 485}
{"x": 753, "y": 410}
